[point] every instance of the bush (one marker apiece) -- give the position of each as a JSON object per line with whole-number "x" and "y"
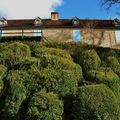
{"x": 24, "y": 78}
{"x": 60, "y": 81}
{"x": 88, "y": 59}
{"x": 3, "y": 71}
{"x": 108, "y": 77}
{"x": 105, "y": 52}
{"x": 26, "y": 63}
{"x": 114, "y": 64}
{"x": 16, "y": 94}
{"x": 39, "y": 52}
{"x": 95, "y": 102}
{"x": 14, "y": 52}
{"x": 45, "y": 106}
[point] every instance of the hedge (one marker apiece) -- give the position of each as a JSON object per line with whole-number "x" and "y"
{"x": 114, "y": 64}
{"x": 14, "y": 53}
{"x": 95, "y": 102}
{"x": 88, "y": 59}
{"x": 15, "y": 95}
{"x": 3, "y": 72}
{"x": 108, "y": 77}
{"x": 52, "y": 51}
{"x": 45, "y": 106}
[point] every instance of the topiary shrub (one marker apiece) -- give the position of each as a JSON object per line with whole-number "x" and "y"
{"x": 88, "y": 59}
{"x": 3, "y": 71}
{"x": 95, "y": 102}
{"x": 114, "y": 64}
{"x": 27, "y": 63}
{"x": 108, "y": 77}
{"x": 45, "y": 106}
{"x": 15, "y": 95}
{"x": 60, "y": 81}
{"x": 14, "y": 52}
{"x": 39, "y": 52}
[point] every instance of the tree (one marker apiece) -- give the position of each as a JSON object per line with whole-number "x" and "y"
{"x": 110, "y": 3}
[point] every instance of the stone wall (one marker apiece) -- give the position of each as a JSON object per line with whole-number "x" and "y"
{"x": 62, "y": 35}
{"x": 104, "y": 38}
{"x": 99, "y": 37}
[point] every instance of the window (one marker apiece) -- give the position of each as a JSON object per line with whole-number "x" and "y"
{"x": 75, "y": 21}
{"x": 117, "y": 34}
{"x": 3, "y": 22}
{"x": 76, "y": 35}
{"x": 37, "y": 21}
{"x": 37, "y": 33}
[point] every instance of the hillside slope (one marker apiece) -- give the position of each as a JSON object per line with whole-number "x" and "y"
{"x": 59, "y": 81}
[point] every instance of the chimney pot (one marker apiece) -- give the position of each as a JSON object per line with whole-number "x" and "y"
{"x": 54, "y": 16}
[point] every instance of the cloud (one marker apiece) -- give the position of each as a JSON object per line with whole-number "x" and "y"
{"x": 28, "y": 8}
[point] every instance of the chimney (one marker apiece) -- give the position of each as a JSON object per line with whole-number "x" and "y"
{"x": 54, "y": 16}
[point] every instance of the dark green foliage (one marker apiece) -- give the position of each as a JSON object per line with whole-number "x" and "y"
{"x": 16, "y": 94}
{"x": 88, "y": 59}
{"x": 114, "y": 64}
{"x": 14, "y": 53}
{"x": 3, "y": 72}
{"x": 35, "y": 75}
{"x": 45, "y": 106}
{"x": 95, "y": 102}
{"x": 39, "y": 52}
{"x": 27, "y": 63}
{"x": 108, "y": 77}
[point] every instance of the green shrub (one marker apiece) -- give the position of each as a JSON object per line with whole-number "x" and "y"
{"x": 105, "y": 52}
{"x": 16, "y": 94}
{"x": 24, "y": 78}
{"x": 39, "y": 52}
{"x": 45, "y": 106}
{"x": 14, "y": 52}
{"x": 60, "y": 81}
{"x": 3, "y": 71}
{"x": 88, "y": 59}
{"x": 95, "y": 102}
{"x": 27, "y": 63}
{"x": 108, "y": 77}
{"x": 114, "y": 64}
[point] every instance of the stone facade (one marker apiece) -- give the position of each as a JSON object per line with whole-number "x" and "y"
{"x": 61, "y": 35}
{"x": 104, "y": 38}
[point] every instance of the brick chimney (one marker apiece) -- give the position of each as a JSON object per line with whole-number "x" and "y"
{"x": 54, "y": 16}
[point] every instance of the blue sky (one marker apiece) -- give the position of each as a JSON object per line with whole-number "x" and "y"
{"x": 86, "y": 9}
{"x": 91, "y": 9}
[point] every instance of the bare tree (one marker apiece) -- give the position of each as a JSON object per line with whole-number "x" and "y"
{"x": 110, "y": 3}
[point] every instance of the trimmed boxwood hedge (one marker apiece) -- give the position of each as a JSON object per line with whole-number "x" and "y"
{"x": 88, "y": 59}
{"x": 31, "y": 72}
{"x": 13, "y": 53}
{"x": 114, "y": 64}
{"x": 39, "y": 52}
{"x": 108, "y": 77}
{"x": 3, "y": 72}
{"x": 15, "y": 95}
{"x": 95, "y": 102}
{"x": 45, "y": 106}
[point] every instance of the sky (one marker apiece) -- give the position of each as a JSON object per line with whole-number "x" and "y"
{"x": 92, "y": 9}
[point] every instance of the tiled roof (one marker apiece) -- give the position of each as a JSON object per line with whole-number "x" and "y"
{"x": 61, "y": 23}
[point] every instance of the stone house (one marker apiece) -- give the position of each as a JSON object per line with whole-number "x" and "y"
{"x": 104, "y": 33}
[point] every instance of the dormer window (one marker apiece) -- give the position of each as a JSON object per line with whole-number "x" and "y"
{"x": 75, "y": 21}
{"x": 37, "y": 21}
{"x": 3, "y": 22}
{"x": 116, "y": 22}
